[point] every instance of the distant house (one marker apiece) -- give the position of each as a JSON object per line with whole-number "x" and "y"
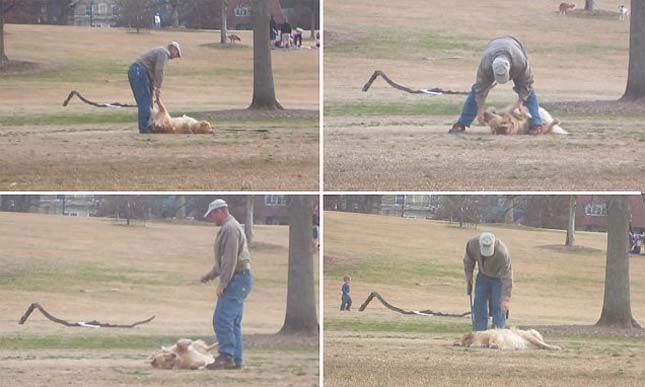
{"x": 68, "y": 205}
{"x": 95, "y": 13}
{"x": 240, "y": 14}
{"x": 591, "y": 213}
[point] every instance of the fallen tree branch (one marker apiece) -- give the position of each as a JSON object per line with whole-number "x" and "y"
{"x": 434, "y": 91}
{"x": 426, "y": 312}
{"x": 86, "y": 324}
{"x": 113, "y": 105}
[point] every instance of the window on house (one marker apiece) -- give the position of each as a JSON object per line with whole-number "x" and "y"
{"x": 115, "y": 10}
{"x": 88, "y": 10}
{"x": 102, "y": 9}
{"x": 243, "y": 11}
{"x": 275, "y": 200}
{"x": 95, "y": 9}
{"x": 399, "y": 200}
{"x": 599, "y": 209}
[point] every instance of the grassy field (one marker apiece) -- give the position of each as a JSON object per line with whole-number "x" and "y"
{"x": 417, "y": 264}
{"x": 400, "y": 140}
{"x": 45, "y": 146}
{"x": 86, "y": 269}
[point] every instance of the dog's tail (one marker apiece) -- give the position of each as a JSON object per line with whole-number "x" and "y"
{"x": 555, "y": 128}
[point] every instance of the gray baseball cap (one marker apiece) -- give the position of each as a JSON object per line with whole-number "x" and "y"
{"x": 487, "y": 244}
{"x": 501, "y": 69}
{"x": 175, "y": 45}
{"x": 215, "y": 204}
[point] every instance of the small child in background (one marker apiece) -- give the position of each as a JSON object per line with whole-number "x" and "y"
{"x": 346, "y": 300}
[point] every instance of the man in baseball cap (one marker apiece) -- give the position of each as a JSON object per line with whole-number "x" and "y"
{"x": 494, "y": 279}
{"x": 146, "y": 77}
{"x": 504, "y": 59}
{"x": 233, "y": 267}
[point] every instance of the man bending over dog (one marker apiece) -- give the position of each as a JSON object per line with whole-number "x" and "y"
{"x": 494, "y": 279}
{"x": 504, "y": 59}
{"x": 232, "y": 265}
{"x": 146, "y": 76}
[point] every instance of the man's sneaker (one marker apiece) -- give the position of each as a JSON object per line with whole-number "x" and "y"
{"x": 536, "y": 129}
{"x": 222, "y": 362}
{"x": 458, "y": 127}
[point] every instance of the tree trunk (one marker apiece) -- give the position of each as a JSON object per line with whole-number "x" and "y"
{"x": 636, "y": 69}
{"x": 509, "y": 214}
{"x": 301, "y": 297}
{"x": 616, "y": 309}
{"x": 248, "y": 223}
{"x": 589, "y": 5}
{"x": 3, "y": 56}
{"x": 175, "y": 16}
{"x": 314, "y": 11}
{"x": 571, "y": 227}
{"x": 403, "y": 207}
{"x": 181, "y": 208}
{"x": 263, "y": 86}
{"x": 224, "y": 23}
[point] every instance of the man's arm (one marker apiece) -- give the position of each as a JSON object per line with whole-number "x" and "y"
{"x": 162, "y": 59}
{"x": 524, "y": 83}
{"x": 469, "y": 267}
{"x": 211, "y": 275}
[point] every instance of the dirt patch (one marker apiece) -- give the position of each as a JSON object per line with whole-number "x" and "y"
{"x": 20, "y": 67}
{"x": 597, "y": 107}
{"x": 589, "y": 330}
{"x": 233, "y": 114}
{"x": 572, "y": 249}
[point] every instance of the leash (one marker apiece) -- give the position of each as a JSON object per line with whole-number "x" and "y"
{"x": 113, "y": 105}
{"x": 435, "y": 91}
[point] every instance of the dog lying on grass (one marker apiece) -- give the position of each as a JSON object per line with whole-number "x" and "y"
{"x": 162, "y": 122}
{"x": 506, "y": 339}
{"x": 185, "y": 354}
{"x": 516, "y": 120}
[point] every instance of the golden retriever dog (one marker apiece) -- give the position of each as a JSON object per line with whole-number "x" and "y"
{"x": 185, "y": 354}
{"x": 515, "y": 120}
{"x": 163, "y": 123}
{"x": 506, "y": 339}
{"x": 564, "y": 7}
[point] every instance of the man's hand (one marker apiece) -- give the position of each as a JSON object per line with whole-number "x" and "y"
{"x": 480, "y": 116}
{"x": 504, "y": 306}
{"x": 469, "y": 286}
{"x": 206, "y": 277}
{"x": 219, "y": 291}
{"x": 518, "y": 104}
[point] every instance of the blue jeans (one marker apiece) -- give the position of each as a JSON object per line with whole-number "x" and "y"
{"x": 345, "y": 302}
{"x": 140, "y": 84}
{"x": 488, "y": 291}
{"x": 227, "y": 318}
{"x": 469, "y": 111}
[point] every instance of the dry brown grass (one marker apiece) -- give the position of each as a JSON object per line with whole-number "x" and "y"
{"x": 47, "y": 147}
{"x": 156, "y": 269}
{"x": 395, "y": 141}
{"x": 416, "y": 264}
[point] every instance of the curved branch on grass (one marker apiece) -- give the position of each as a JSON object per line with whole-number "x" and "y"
{"x": 433, "y": 91}
{"x": 113, "y": 105}
{"x": 426, "y": 312}
{"x": 85, "y": 324}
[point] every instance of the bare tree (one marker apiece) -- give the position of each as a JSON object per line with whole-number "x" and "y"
{"x": 137, "y": 13}
{"x": 263, "y": 86}
{"x": 174, "y": 15}
{"x": 5, "y": 6}
{"x": 509, "y": 210}
{"x": 248, "y": 223}
{"x": 224, "y": 23}
{"x": 616, "y": 309}
{"x": 181, "y": 207}
{"x": 301, "y": 315}
{"x": 589, "y": 5}
{"x": 571, "y": 226}
{"x": 636, "y": 69}
{"x": 315, "y": 9}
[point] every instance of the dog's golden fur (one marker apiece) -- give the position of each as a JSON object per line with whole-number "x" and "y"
{"x": 516, "y": 120}
{"x": 184, "y": 354}
{"x": 508, "y": 339}
{"x": 163, "y": 123}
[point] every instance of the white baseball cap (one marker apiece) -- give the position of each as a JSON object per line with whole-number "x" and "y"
{"x": 215, "y": 204}
{"x": 487, "y": 244}
{"x": 501, "y": 69}
{"x": 176, "y": 45}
